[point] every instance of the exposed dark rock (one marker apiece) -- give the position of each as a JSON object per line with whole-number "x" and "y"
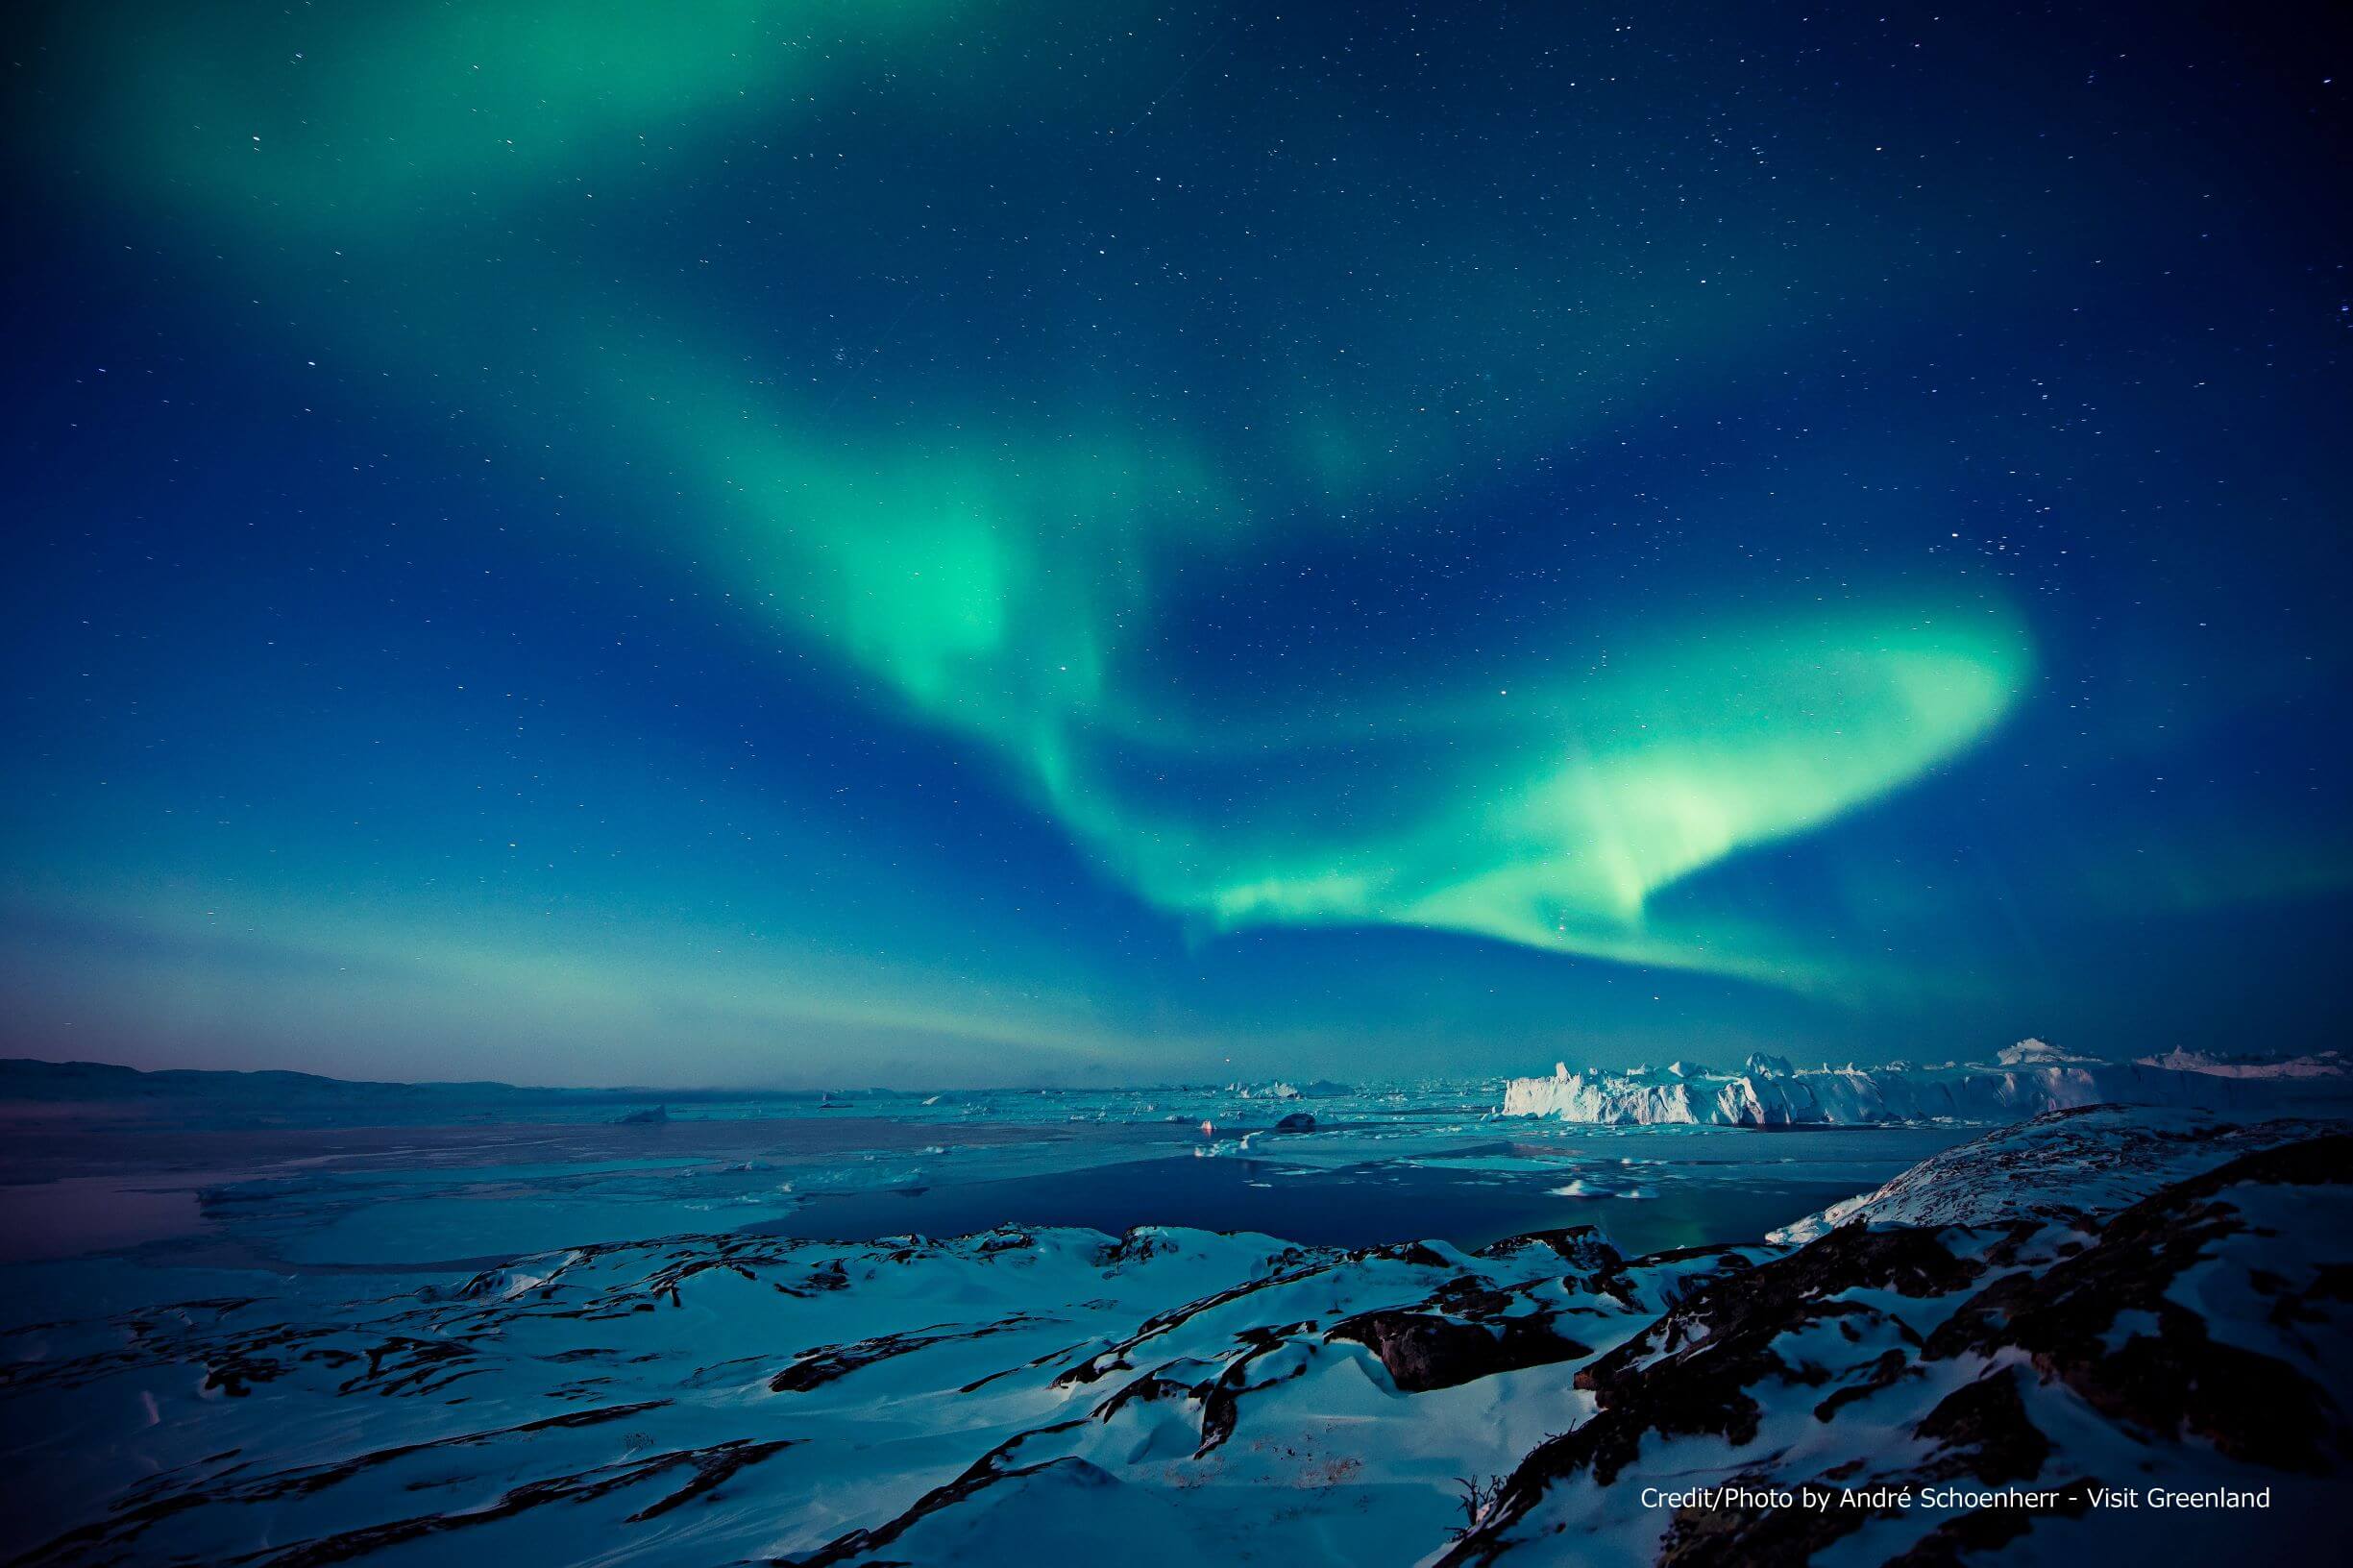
{"x": 1583, "y": 1248}
{"x": 1114, "y": 1358}
{"x": 711, "y": 1466}
{"x": 1690, "y": 1373}
{"x": 1064, "y": 1353}
{"x": 1891, "y": 1367}
{"x": 1424, "y": 1351}
{"x": 2177, "y": 1381}
{"x": 1148, "y": 1388}
{"x": 982, "y": 1473}
{"x": 1615, "y": 1280}
{"x": 1988, "y": 1529}
{"x": 1759, "y": 1537}
{"x": 814, "y": 1368}
{"x": 1221, "y": 1397}
{"x": 1981, "y": 1430}
{"x": 1697, "y": 1370}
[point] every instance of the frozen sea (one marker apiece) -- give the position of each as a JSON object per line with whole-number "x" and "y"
{"x": 452, "y": 1181}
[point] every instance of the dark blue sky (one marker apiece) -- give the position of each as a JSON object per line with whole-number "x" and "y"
{"x": 964, "y": 543}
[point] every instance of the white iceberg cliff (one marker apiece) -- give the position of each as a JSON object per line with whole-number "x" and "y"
{"x": 2025, "y": 1080}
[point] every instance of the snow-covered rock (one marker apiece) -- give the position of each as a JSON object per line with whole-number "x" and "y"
{"x": 2060, "y": 1165}
{"x": 2078, "y": 1313}
{"x": 738, "y": 1398}
{"x": 1942, "y": 1394}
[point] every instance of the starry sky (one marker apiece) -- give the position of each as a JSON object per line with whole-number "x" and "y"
{"x": 798, "y": 542}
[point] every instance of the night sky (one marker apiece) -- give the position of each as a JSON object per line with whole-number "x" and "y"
{"x": 823, "y": 543}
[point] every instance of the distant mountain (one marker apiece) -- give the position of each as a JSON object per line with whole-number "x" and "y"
{"x": 23, "y": 1078}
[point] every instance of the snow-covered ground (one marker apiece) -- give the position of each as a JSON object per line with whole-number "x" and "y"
{"x": 2052, "y": 1303}
{"x": 2120, "y": 1296}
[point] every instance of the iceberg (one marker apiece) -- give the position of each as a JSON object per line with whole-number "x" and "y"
{"x": 2025, "y": 1080}
{"x": 2323, "y": 1065}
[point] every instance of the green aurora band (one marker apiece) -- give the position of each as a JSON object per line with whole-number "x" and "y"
{"x": 1000, "y": 551}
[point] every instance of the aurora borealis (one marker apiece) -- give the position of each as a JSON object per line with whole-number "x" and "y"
{"x": 847, "y": 543}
